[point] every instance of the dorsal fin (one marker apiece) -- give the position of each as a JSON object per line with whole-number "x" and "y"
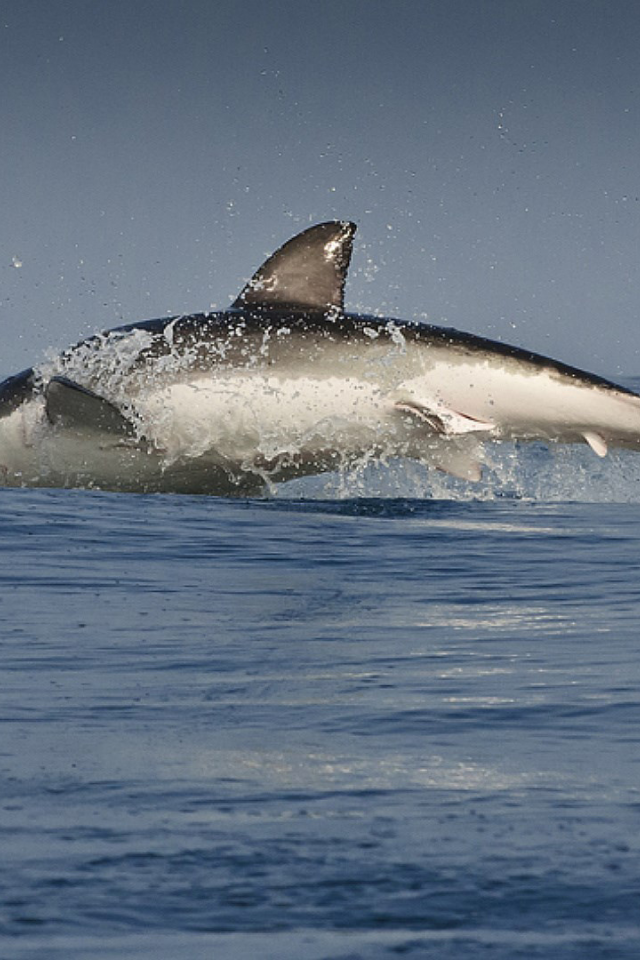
{"x": 72, "y": 406}
{"x": 309, "y": 271}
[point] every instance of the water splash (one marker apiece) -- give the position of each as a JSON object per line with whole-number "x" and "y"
{"x": 528, "y": 472}
{"x": 129, "y": 367}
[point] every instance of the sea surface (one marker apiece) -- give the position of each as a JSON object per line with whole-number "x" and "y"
{"x": 371, "y": 716}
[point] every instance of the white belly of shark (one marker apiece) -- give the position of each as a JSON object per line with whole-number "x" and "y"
{"x": 285, "y": 384}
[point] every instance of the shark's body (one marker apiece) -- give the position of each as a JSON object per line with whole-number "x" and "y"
{"x": 285, "y": 384}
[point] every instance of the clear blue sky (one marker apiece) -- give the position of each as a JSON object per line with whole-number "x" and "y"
{"x": 153, "y": 152}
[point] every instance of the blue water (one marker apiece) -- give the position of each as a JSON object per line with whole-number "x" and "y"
{"x": 351, "y": 726}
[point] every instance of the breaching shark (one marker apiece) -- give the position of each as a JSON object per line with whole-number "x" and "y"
{"x": 284, "y": 384}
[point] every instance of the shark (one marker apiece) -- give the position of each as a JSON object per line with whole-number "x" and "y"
{"x": 286, "y": 383}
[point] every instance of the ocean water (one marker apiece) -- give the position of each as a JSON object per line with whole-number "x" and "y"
{"x": 369, "y": 716}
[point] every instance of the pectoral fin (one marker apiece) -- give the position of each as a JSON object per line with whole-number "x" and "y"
{"x": 443, "y": 420}
{"x": 74, "y": 407}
